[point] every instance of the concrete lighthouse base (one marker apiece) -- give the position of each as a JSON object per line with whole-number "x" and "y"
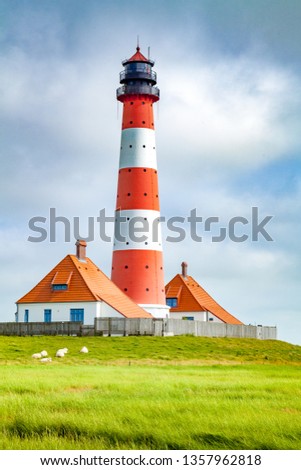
{"x": 156, "y": 310}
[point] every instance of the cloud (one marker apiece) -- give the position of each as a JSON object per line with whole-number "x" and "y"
{"x": 237, "y": 114}
{"x": 57, "y": 121}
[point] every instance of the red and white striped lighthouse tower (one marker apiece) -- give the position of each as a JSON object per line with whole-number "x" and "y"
{"x": 137, "y": 266}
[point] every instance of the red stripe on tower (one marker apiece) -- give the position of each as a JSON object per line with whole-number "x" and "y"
{"x": 137, "y": 266}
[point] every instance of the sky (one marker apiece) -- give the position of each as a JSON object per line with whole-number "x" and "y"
{"x": 228, "y": 132}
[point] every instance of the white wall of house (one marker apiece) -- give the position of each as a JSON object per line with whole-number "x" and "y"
{"x": 60, "y": 311}
{"x": 198, "y": 316}
{"x": 105, "y": 310}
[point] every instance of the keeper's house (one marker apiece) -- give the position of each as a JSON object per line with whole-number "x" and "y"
{"x": 76, "y": 290}
{"x": 189, "y": 301}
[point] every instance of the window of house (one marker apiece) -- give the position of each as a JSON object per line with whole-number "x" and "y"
{"x": 188, "y": 318}
{"x": 172, "y": 301}
{"x": 47, "y": 315}
{"x": 59, "y": 286}
{"x": 26, "y": 316}
{"x": 77, "y": 314}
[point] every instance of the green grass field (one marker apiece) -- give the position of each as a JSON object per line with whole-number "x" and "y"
{"x": 150, "y": 393}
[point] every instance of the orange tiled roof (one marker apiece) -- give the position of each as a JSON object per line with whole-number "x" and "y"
{"x": 194, "y": 298}
{"x": 62, "y": 277}
{"x": 87, "y": 283}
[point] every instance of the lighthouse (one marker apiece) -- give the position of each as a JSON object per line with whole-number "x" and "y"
{"x": 137, "y": 262}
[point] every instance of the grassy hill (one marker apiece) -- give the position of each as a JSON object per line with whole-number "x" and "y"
{"x": 150, "y": 393}
{"x": 151, "y": 350}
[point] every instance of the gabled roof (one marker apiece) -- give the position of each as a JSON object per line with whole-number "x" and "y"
{"x": 193, "y": 298}
{"x": 86, "y": 283}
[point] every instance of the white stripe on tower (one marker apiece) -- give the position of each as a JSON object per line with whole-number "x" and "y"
{"x": 138, "y": 148}
{"x": 137, "y": 229}
{"x": 137, "y": 266}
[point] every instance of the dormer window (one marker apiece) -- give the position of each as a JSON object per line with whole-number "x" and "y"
{"x": 59, "y": 286}
{"x": 172, "y": 302}
{"x": 61, "y": 281}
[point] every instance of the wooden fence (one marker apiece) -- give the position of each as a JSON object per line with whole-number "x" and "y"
{"x": 46, "y": 329}
{"x": 138, "y": 327}
{"x": 174, "y": 327}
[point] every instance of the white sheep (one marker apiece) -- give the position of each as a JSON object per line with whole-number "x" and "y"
{"x": 60, "y": 353}
{"x": 84, "y": 350}
{"x": 44, "y": 353}
{"x": 36, "y": 356}
{"x": 46, "y": 359}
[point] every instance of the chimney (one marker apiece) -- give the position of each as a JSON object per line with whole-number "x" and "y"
{"x": 184, "y": 269}
{"x": 81, "y": 249}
